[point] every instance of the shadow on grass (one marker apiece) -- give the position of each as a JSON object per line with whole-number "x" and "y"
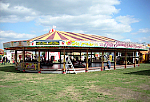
{"x": 143, "y": 72}
{"x": 10, "y": 68}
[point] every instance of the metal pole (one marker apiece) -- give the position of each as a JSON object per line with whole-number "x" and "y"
{"x": 64, "y": 69}
{"x": 91, "y": 56}
{"x": 126, "y": 59}
{"x": 102, "y": 66}
{"x": 16, "y": 59}
{"x": 139, "y": 59}
{"x": 134, "y": 59}
{"x": 23, "y": 59}
{"x": 114, "y": 60}
{"x": 39, "y": 69}
{"x": 86, "y": 61}
{"x": 80, "y": 55}
{"x": 60, "y": 57}
{"x": 15, "y": 56}
{"x": 48, "y": 55}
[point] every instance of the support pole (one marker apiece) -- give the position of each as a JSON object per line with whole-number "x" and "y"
{"x": 102, "y": 66}
{"x": 48, "y": 55}
{"x": 64, "y": 68}
{"x": 35, "y": 54}
{"x": 139, "y": 61}
{"x": 91, "y": 56}
{"x": 134, "y": 59}
{"x": 60, "y": 57}
{"x": 39, "y": 67}
{"x": 86, "y": 61}
{"x": 125, "y": 59}
{"x": 80, "y": 55}
{"x": 23, "y": 67}
{"x": 16, "y": 59}
{"x": 114, "y": 60}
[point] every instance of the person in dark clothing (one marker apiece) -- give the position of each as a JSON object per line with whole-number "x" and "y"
{"x": 3, "y": 62}
{"x": 6, "y": 59}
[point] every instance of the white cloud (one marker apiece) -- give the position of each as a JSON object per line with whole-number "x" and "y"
{"x": 79, "y": 31}
{"x": 103, "y": 9}
{"x": 15, "y": 13}
{"x": 114, "y": 36}
{"x": 7, "y": 36}
{"x": 84, "y": 16}
{"x": 127, "y": 40}
{"x": 46, "y": 29}
{"x": 126, "y": 19}
{"x": 13, "y": 35}
{"x": 144, "y": 39}
{"x": 144, "y": 30}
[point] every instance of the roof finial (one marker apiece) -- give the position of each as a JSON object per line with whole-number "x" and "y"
{"x": 53, "y": 29}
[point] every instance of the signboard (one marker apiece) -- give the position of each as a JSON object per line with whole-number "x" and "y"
{"x": 82, "y": 43}
{"x": 117, "y": 44}
{"x": 6, "y": 45}
{"x": 47, "y": 43}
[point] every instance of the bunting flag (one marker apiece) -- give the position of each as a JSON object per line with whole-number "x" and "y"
{"x": 61, "y": 35}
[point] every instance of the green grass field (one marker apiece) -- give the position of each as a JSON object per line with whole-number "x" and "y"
{"x": 131, "y": 84}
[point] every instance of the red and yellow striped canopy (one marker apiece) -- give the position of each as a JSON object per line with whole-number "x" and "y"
{"x": 61, "y": 35}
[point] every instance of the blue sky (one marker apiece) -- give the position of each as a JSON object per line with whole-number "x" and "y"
{"x": 124, "y": 20}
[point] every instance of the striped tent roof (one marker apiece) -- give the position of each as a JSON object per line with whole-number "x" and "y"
{"x": 61, "y": 35}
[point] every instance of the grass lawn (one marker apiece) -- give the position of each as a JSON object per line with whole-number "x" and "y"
{"x": 131, "y": 84}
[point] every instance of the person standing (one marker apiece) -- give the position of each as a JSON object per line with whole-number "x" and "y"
{"x": 3, "y": 62}
{"x": 108, "y": 63}
{"x": 6, "y": 59}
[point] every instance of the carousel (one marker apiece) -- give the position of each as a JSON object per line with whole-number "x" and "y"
{"x": 68, "y": 52}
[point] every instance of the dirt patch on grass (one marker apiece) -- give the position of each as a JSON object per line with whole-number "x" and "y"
{"x": 3, "y": 86}
{"x": 121, "y": 94}
{"x": 144, "y": 87}
{"x": 33, "y": 81}
{"x": 71, "y": 92}
{"x": 99, "y": 90}
{"x": 92, "y": 81}
{"x": 127, "y": 94}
